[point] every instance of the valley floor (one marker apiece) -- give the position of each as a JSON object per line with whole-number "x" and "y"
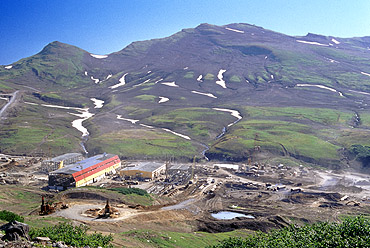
{"x": 178, "y": 211}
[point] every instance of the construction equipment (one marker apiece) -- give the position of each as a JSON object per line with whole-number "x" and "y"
{"x": 46, "y": 208}
{"x": 191, "y": 180}
{"x": 192, "y": 168}
{"x": 256, "y": 148}
{"x": 49, "y": 208}
{"x": 353, "y": 203}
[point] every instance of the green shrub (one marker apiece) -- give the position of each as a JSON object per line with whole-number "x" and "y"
{"x": 72, "y": 235}
{"x": 128, "y": 191}
{"x": 352, "y": 232}
{"x": 10, "y": 216}
{"x": 362, "y": 153}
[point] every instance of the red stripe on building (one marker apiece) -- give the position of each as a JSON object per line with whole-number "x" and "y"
{"x": 95, "y": 168}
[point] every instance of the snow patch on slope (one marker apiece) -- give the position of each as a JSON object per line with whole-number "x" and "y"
{"x": 221, "y": 81}
{"x": 121, "y": 82}
{"x": 235, "y": 30}
{"x": 312, "y": 43}
{"x": 178, "y": 134}
{"x": 98, "y": 103}
{"x": 84, "y": 115}
{"x": 335, "y": 41}
{"x": 119, "y": 117}
{"x": 95, "y": 79}
{"x": 141, "y": 83}
{"x": 366, "y": 74}
{"x": 204, "y": 94}
{"x": 171, "y": 84}
{"x": 8, "y": 67}
{"x": 360, "y": 92}
{"x": 147, "y": 126}
{"x": 30, "y": 103}
{"x": 233, "y": 113}
{"x": 99, "y": 56}
{"x": 163, "y": 99}
{"x": 158, "y": 81}
{"x": 321, "y": 87}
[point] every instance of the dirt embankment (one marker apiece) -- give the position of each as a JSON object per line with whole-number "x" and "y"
{"x": 91, "y": 196}
{"x": 259, "y": 224}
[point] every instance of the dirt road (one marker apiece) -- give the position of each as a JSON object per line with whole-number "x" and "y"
{"x": 9, "y": 104}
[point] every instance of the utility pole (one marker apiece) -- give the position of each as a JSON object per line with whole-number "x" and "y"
{"x": 192, "y": 168}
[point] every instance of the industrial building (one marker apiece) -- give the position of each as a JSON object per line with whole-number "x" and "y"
{"x": 145, "y": 170}
{"x": 179, "y": 174}
{"x": 84, "y": 172}
{"x": 227, "y": 166}
{"x": 60, "y": 161}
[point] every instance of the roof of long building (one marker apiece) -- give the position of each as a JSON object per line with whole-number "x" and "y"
{"x": 180, "y": 167}
{"x": 64, "y": 157}
{"x": 145, "y": 166}
{"x": 83, "y": 164}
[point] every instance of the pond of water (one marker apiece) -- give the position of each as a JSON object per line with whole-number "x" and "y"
{"x": 226, "y": 215}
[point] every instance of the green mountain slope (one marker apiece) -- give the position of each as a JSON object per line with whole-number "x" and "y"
{"x": 229, "y": 92}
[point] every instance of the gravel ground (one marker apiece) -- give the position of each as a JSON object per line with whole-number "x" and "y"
{"x": 75, "y": 212}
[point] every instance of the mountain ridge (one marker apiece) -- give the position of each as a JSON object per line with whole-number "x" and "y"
{"x": 308, "y": 35}
{"x": 174, "y": 88}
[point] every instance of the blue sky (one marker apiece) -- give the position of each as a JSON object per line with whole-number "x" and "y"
{"x": 105, "y": 26}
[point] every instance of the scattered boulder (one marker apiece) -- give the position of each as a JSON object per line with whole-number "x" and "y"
{"x": 15, "y": 230}
{"x": 43, "y": 240}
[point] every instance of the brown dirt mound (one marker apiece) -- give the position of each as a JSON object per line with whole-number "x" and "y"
{"x": 264, "y": 225}
{"x": 89, "y": 195}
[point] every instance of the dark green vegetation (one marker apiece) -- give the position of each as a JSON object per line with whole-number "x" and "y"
{"x": 264, "y": 75}
{"x": 362, "y": 153}
{"x": 134, "y": 196}
{"x": 10, "y": 216}
{"x": 352, "y": 232}
{"x": 130, "y": 196}
{"x": 128, "y": 191}
{"x": 176, "y": 239}
{"x": 72, "y": 235}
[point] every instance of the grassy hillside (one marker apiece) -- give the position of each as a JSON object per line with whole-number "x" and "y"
{"x": 56, "y": 67}
{"x": 38, "y": 129}
{"x": 311, "y": 134}
{"x": 152, "y": 238}
{"x": 352, "y": 232}
{"x": 139, "y": 143}
{"x": 199, "y": 123}
{"x": 304, "y": 97}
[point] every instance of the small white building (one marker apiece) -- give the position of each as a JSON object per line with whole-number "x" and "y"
{"x": 149, "y": 170}
{"x": 227, "y": 166}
